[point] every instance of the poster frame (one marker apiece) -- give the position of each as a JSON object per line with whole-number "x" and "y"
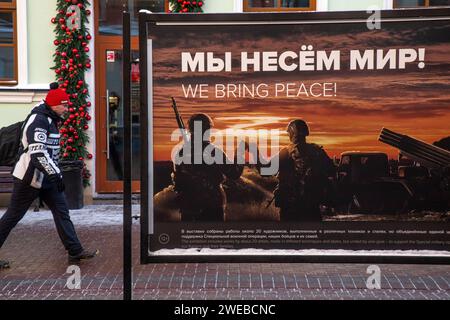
{"x": 146, "y": 21}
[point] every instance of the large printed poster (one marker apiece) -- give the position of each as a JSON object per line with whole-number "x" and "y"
{"x": 298, "y": 135}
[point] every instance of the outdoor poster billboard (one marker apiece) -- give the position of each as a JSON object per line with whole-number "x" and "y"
{"x": 301, "y": 131}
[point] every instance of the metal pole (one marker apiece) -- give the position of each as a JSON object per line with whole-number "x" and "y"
{"x": 127, "y": 191}
{"x": 145, "y": 137}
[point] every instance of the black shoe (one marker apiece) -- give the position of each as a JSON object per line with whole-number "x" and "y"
{"x": 83, "y": 255}
{"x": 4, "y": 264}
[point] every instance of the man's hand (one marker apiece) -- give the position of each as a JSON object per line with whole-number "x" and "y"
{"x": 58, "y": 181}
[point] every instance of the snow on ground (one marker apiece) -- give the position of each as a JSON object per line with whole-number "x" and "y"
{"x": 308, "y": 252}
{"x": 111, "y": 215}
{"x": 89, "y": 216}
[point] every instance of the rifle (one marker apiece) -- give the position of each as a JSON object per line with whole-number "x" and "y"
{"x": 180, "y": 121}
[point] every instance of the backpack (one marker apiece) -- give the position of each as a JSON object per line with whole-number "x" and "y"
{"x": 10, "y": 145}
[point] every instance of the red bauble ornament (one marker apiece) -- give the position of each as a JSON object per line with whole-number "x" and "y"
{"x": 88, "y": 65}
{"x": 56, "y": 42}
{"x": 86, "y": 49}
{"x": 53, "y": 20}
{"x": 90, "y": 156}
{"x": 75, "y": 51}
{"x": 65, "y": 155}
{"x": 86, "y": 127}
{"x": 88, "y": 37}
{"x": 88, "y": 12}
{"x": 81, "y": 158}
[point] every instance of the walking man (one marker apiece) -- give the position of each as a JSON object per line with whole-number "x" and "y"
{"x": 36, "y": 174}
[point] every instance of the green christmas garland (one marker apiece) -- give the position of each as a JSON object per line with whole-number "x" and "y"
{"x": 183, "y": 6}
{"x": 71, "y": 60}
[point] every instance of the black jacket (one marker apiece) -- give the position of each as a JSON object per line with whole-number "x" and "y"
{"x": 40, "y": 140}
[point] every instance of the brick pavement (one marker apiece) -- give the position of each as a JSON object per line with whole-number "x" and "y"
{"x": 39, "y": 265}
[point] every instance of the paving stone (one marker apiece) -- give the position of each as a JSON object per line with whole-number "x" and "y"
{"x": 39, "y": 271}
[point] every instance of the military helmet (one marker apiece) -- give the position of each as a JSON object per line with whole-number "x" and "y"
{"x": 298, "y": 127}
{"x": 205, "y": 120}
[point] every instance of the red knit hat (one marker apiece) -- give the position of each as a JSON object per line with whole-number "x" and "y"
{"x": 56, "y": 96}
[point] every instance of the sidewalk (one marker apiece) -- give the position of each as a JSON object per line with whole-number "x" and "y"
{"x": 39, "y": 265}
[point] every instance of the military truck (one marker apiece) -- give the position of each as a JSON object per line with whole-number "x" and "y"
{"x": 370, "y": 183}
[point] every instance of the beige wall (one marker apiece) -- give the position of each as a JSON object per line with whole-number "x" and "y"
{"x": 40, "y": 40}
{"x": 12, "y": 113}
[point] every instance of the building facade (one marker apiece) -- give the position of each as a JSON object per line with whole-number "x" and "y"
{"x": 26, "y": 58}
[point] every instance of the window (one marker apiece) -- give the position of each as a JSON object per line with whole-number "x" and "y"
{"x": 279, "y": 5}
{"x": 420, "y": 3}
{"x": 110, "y": 14}
{"x": 8, "y": 42}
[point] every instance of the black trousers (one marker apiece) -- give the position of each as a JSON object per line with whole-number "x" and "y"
{"x": 23, "y": 196}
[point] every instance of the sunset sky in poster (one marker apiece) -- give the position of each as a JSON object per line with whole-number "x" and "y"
{"x": 412, "y": 101}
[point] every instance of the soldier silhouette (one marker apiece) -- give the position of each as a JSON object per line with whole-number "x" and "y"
{"x": 303, "y": 174}
{"x": 201, "y": 196}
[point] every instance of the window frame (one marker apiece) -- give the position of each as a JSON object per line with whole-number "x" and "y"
{"x": 248, "y": 8}
{"x": 426, "y": 5}
{"x": 11, "y": 8}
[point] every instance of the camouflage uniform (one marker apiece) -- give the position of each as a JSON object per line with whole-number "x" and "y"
{"x": 302, "y": 182}
{"x": 199, "y": 187}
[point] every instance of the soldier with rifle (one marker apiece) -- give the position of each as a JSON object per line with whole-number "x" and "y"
{"x": 198, "y": 184}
